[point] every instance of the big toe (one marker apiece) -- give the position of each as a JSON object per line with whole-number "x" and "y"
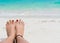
{"x": 17, "y": 21}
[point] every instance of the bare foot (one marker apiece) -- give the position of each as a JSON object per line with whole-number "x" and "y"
{"x": 19, "y": 27}
{"x": 10, "y": 28}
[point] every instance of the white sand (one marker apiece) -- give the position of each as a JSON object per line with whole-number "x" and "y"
{"x": 40, "y": 26}
{"x": 37, "y": 30}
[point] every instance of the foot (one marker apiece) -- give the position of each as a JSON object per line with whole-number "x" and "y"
{"x": 10, "y": 28}
{"x": 19, "y": 27}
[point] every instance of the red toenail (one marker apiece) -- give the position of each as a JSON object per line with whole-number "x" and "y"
{"x": 17, "y": 20}
{"x": 12, "y": 20}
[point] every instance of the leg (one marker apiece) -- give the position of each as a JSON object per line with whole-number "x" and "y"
{"x": 8, "y": 40}
{"x": 10, "y": 28}
{"x": 21, "y": 40}
{"x": 20, "y": 31}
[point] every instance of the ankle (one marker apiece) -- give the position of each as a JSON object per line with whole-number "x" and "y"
{"x": 11, "y": 37}
{"x": 19, "y": 34}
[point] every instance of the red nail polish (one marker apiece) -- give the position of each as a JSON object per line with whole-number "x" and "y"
{"x": 12, "y": 20}
{"x": 17, "y": 20}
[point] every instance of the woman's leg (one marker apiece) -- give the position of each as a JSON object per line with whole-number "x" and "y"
{"x": 20, "y": 31}
{"x": 8, "y": 40}
{"x": 21, "y": 40}
{"x": 10, "y": 28}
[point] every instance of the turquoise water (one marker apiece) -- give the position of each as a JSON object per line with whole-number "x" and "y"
{"x": 27, "y": 4}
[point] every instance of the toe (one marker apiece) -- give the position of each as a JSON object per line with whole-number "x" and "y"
{"x": 7, "y": 23}
{"x": 12, "y": 21}
{"x": 19, "y": 21}
{"x": 22, "y": 22}
{"x": 16, "y": 20}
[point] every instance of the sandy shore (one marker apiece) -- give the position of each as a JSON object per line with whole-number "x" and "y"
{"x": 41, "y": 30}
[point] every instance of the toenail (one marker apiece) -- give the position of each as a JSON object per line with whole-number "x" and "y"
{"x": 17, "y": 20}
{"x": 12, "y": 20}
